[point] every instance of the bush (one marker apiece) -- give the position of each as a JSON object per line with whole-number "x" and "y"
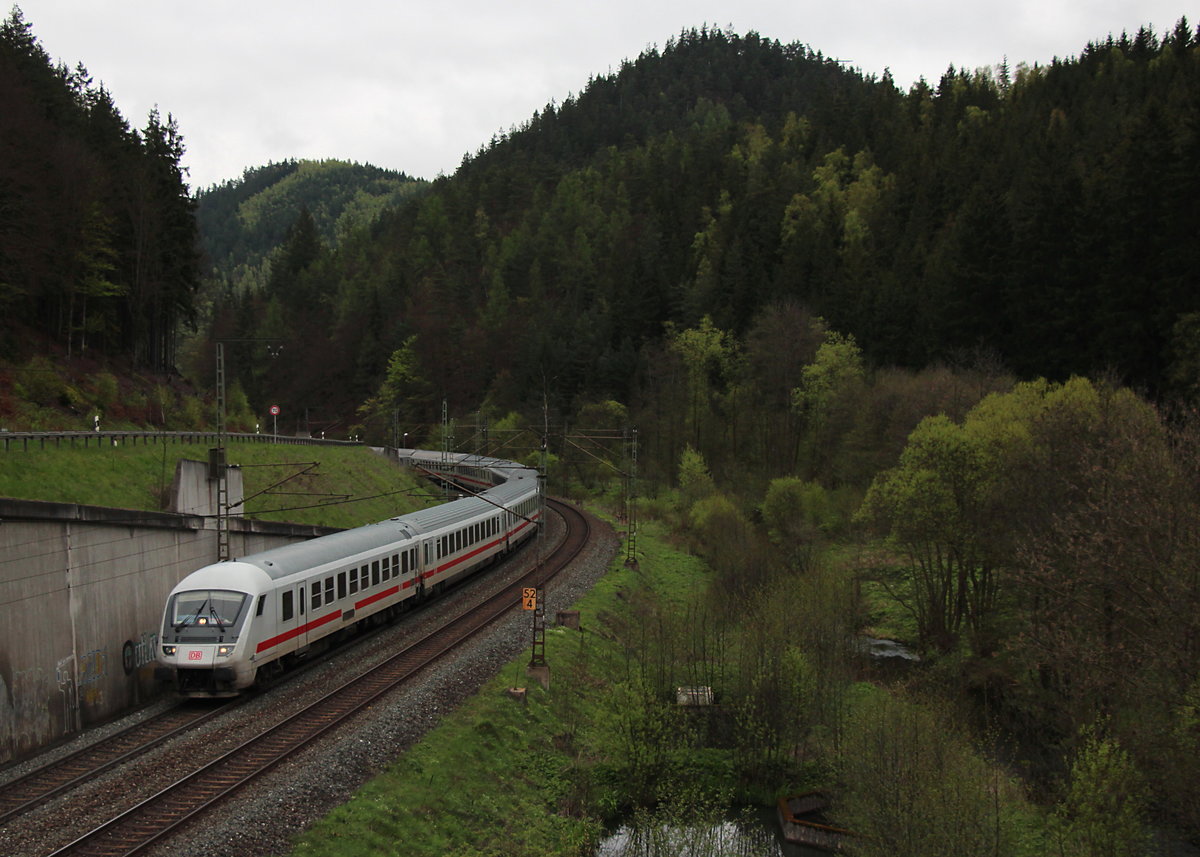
{"x": 105, "y": 390}
{"x": 1103, "y": 812}
{"x": 915, "y": 787}
{"x": 40, "y": 383}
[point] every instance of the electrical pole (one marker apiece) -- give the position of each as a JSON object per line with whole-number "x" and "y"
{"x": 537, "y": 653}
{"x": 631, "y": 503}
{"x": 216, "y": 462}
{"x": 218, "y": 468}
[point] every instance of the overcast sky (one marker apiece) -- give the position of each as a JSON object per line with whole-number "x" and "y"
{"x": 415, "y": 86}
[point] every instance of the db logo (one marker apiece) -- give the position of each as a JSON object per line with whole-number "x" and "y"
{"x": 194, "y": 655}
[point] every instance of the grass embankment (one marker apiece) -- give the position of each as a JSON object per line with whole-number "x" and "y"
{"x": 351, "y": 486}
{"x": 502, "y": 777}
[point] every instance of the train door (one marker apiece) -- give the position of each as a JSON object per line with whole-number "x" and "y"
{"x": 427, "y": 564}
{"x": 293, "y": 606}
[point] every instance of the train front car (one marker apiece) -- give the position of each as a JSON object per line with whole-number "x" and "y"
{"x": 207, "y": 628}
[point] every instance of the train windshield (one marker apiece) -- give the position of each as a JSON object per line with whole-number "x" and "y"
{"x": 219, "y": 610}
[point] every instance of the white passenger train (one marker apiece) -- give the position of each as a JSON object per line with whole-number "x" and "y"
{"x": 231, "y": 625}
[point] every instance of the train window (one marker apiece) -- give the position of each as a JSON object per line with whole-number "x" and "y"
{"x": 285, "y": 609}
{"x": 404, "y": 563}
{"x": 395, "y": 565}
{"x": 353, "y": 580}
{"x": 341, "y": 584}
{"x": 316, "y": 594}
{"x": 329, "y": 590}
{"x": 262, "y": 599}
{"x": 375, "y": 573}
{"x": 387, "y": 567}
{"x": 302, "y": 599}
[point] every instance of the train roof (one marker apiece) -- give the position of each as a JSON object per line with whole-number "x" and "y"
{"x": 344, "y": 546}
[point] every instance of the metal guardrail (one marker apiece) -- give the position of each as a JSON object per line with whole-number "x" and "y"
{"x": 24, "y": 440}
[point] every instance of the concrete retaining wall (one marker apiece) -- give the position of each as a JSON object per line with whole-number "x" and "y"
{"x": 82, "y": 590}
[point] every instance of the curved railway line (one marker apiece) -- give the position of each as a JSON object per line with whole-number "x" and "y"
{"x": 156, "y": 817}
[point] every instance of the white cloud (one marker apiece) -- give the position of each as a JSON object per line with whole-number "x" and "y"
{"x": 415, "y": 86}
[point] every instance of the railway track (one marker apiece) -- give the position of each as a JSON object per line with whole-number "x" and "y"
{"x": 24, "y": 793}
{"x": 157, "y": 816}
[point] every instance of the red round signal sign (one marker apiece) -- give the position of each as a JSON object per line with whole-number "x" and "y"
{"x": 274, "y": 410}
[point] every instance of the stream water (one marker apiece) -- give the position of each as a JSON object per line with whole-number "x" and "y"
{"x": 752, "y": 834}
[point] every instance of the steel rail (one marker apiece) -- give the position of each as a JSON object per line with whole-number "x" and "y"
{"x": 155, "y": 817}
{"x": 24, "y": 793}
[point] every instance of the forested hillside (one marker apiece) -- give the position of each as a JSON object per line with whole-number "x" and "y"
{"x": 914, "y": 358}
{"x": 258, "y": 233}
{"x": 97, "y": 234}
{"x": 1042, "y": 216}
{"x": 243, "y": 221}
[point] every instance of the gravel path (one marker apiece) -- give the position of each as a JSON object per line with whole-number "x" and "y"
{"x": 262, "y": 819}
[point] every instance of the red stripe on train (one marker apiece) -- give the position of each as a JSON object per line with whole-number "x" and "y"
{"x": 297, "y": 631}
{"x": 392, "y": 590}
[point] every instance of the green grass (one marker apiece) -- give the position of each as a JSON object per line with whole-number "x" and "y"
{"x": 501, "y": 777}
{"x": 139, "y": 477}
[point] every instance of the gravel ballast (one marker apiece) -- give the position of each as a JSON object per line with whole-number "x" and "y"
{"x": 265, "y": 815}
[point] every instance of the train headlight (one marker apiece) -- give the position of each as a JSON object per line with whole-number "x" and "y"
{"x": 168, "y": 650}
{"x": 223, "y": 651}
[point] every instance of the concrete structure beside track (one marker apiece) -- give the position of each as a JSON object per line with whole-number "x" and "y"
{"x": 82, "y": 590}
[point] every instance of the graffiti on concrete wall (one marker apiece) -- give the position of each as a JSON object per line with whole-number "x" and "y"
{"x": 64, "y": 674}
{"x": 25, "y": 721}
{"x": 93, "y": 669}
{"x": 134, "y": 656}
{"x": 6, "y": 724}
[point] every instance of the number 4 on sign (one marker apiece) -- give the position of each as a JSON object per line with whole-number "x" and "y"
{"x": 528, "y": 598}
